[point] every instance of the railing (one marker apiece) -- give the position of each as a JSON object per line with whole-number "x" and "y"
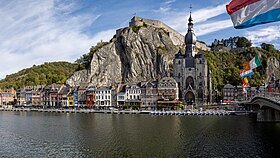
{"x": 270, "y": 95}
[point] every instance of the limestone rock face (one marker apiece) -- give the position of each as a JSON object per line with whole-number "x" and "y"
{"x": 135, "y": 54}
{"x": 272, "y": 70}
{"x": 78, "y": 77}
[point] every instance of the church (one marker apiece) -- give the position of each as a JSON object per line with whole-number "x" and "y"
{"x": 192, "y": 73}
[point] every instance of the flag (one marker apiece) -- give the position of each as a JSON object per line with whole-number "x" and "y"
{"x": 256, "y": 62}
{"x": 244, "y": 90}
{"x": 248, "y": 13}
{"x": 245, "y": 82}
{"x": 247, "y": 66}
{"x": 245, "y": 79}
{"x": 245, "y": 73}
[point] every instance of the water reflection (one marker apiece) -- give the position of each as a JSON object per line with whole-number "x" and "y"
{"x": 33, "y": 134}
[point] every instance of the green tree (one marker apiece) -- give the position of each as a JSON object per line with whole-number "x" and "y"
{"x": 243, "y": 42}
{"x": 268, "y": 47}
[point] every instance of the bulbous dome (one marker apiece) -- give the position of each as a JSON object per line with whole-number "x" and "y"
{"x": 190, "y": 38}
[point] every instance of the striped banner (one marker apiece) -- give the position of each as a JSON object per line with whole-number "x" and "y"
{"x": 247, "y": 13}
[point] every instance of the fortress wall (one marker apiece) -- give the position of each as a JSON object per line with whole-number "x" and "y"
{"x": 176, "y": 37}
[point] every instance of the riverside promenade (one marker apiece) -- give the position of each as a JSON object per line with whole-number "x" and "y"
{"x": 154, "y": 113}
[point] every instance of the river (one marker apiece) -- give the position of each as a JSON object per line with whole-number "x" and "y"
{"x": 35, "y": 134}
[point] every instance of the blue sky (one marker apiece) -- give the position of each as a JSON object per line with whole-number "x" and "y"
{"x": 38, "y": 31}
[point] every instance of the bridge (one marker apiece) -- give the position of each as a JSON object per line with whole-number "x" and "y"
{"x": 266, "y": 104}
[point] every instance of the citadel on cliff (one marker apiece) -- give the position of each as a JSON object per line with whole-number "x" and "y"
{"x": 148, "y": 51}
{"x": 190, "y": 69}
{"x": 141, "y": 67}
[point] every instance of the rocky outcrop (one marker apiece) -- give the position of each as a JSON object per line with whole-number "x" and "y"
{"x": 272, "y": 70}
{"x": 78, "y": 77}
{"x": 136, "y": 53}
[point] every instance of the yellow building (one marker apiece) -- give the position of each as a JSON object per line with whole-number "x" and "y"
{"x": 70, "y": 100}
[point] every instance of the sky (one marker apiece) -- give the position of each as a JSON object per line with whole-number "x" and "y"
{"x": 36, "y": 31}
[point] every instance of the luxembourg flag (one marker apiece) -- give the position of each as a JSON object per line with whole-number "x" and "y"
{"x": 247, "y": 13}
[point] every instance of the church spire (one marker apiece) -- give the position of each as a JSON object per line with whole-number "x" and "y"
{"x": 190, "y": 38}
{"x": 190, "y": 24}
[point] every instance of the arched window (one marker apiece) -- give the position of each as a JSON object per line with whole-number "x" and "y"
{"x": 179, "y": 75}
{"x": 179, "y": 62}
{"x": 189, "y": 81}
{"x": 200, "y": 93}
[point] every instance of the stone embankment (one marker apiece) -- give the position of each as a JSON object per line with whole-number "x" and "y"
{"x": 152, "y": 113}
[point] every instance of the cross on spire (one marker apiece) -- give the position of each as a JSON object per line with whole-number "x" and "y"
{"x": 190, "y": 18}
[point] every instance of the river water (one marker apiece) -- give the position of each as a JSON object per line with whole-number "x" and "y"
{"x": 34, "y": 134}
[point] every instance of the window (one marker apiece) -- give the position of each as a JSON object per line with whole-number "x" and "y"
{"x": 189, "y": 81}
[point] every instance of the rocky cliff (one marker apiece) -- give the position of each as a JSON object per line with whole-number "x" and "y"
{"x": 136, "y": 53}
{"x": 272, "y": 70}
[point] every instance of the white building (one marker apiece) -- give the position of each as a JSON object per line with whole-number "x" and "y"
{"x": 105, "y": 97}
{"x": 133, "y": 94}
{"x": 121, "y": 97}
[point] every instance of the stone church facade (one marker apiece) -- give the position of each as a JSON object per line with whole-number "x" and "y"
{"x": 191, "y": 71}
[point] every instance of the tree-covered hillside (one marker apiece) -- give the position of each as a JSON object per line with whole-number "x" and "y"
{"x": 47, "y": 73}
{"x": 225, "y": 66}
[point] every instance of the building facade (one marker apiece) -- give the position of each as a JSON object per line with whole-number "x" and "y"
{"x": 133, "y": 94}
{"x": 192, "y": 73}
{"x": 105, "y": 97}
{"x": 229, "y": 93}
{"x": 149, "y": 95}
{"x": 82, "y": 94}
{"x": 91, "y": 97}
{"x": 168, "y": 89}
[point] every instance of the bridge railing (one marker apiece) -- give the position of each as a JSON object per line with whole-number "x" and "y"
{"x": 270, "y": 95}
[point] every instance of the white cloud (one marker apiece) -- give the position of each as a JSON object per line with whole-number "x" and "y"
{"x": 264, "y": 35}
{"x": 165, "y": 7}
{"x": 33, "y": 32}
{"x": 203, "y": 29}
{"x": 169, "y": 2}
{"x": 178, "y": 20}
